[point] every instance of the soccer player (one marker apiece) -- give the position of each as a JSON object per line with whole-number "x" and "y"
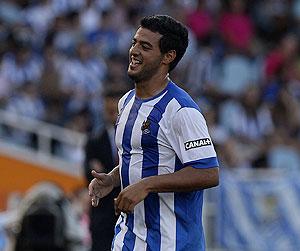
{"x": 166, "y": 156}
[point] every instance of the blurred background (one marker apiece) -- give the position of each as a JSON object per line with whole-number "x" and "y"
{"x": 58, "y": 58}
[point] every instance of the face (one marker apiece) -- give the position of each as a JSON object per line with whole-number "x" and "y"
{"x": 144, "y": 55}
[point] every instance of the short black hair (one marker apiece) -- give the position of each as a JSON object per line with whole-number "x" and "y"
{"x": 174, "y": 35}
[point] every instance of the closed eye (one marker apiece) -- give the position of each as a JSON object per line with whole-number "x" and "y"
{"x": 146, "y": 48}
{"x": 144, "y": 44}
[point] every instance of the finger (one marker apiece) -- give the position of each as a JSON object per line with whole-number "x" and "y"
{"x": 119, "y": 206}
{"x": 117, "y": 212}
{"x": 131, "y": 208}
{"x": 95, "y": 201}
{"x": 98, "y": 175}
{"x": 128, "y": 207}
{"x": 91, "y": 187}
{"x": 123, "y": 205}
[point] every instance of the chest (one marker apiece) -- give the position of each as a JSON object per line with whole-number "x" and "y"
{"x": 139, "y": 128}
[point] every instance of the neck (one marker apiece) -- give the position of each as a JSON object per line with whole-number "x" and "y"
{"x": 150, "y": 88}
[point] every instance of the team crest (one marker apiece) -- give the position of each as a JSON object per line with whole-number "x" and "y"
{"x": 146, "y": 127}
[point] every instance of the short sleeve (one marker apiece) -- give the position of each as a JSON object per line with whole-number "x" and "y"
{"x": 194, "y": 145}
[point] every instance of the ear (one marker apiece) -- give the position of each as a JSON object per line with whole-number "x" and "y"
{"x": 169, "y": 57}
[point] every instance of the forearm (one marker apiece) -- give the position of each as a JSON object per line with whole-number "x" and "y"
{"x": 115, "y": 175}
{"x": 184, "y": 180}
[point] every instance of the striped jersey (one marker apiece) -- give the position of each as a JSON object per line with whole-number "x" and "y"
{"x": 155, "y": 136}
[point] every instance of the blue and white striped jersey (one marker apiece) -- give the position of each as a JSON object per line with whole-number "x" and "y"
{"x": 158, "y": 136}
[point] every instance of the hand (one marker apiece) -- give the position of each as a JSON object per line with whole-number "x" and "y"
{"x": 100, "y": 186}
{"x": 130, "y": 197}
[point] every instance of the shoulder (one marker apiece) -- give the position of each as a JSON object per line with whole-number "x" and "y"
{"x": 181, "y": 99}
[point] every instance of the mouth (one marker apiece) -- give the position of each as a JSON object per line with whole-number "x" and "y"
{"x": 134, "y": 62}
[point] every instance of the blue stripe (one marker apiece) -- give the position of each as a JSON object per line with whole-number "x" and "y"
{"x": 181, "y": 225}
{"x": 150, "y": 168}
{"x": 188, "y": 213}
{"x": 203, "y": 163}
{"x": 129, "y": 238}
{"x": 178, "y": 164}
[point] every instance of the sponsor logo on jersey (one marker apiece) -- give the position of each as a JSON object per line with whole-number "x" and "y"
{"x": 197, "y": 143}
{"x": 146, "y": 127}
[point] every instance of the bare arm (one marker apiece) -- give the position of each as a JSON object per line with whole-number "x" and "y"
{"x": 184, "y": 180}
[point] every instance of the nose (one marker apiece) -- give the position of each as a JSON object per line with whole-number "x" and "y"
{"x": 134, "y": 50}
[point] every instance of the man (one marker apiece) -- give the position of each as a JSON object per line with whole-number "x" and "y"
{"x": 101, "y": 156}
{"x": 166, "y": 157}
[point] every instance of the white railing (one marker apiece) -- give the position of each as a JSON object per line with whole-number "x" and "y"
{"x": 45, "y": 133}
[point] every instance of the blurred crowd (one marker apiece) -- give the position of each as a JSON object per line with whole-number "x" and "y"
{"x": 58, "y": 57}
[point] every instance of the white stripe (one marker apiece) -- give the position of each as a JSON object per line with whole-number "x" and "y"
{"x": 118, "y": 244}
{"x": 166, "y": 200}
{"x": 167, "y": 165}
{"x": 135, "y": 175}
{"x": 167, "y": 221}
{"x": 140, "y": 228}
{"x": 166, "y": 126}
{"x": 122, "y": 100}
{"x": 136, "y": 161}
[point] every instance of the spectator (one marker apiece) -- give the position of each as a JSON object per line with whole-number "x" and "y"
{"x": 283, "y": 154}
{"x": 82, "y": 78}
{"x": 235, "y": 74}
{"x": 249, "y": 119}
{"x": 90, "y": 17}
{"x": 200, "y": 21}
{"x": 27, "y": 103}
{"x": 67, "y": 33}
{"x": 40, "y": 16}
{"x": 281, "y": 111}
{"x": 280, "y": 59}
{"x": 236, "y": 26}
{"x": 21, "y": 67}
{"x": 50, "y": 85}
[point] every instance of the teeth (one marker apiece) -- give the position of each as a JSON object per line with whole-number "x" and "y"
{"x": 135, "y": 61}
